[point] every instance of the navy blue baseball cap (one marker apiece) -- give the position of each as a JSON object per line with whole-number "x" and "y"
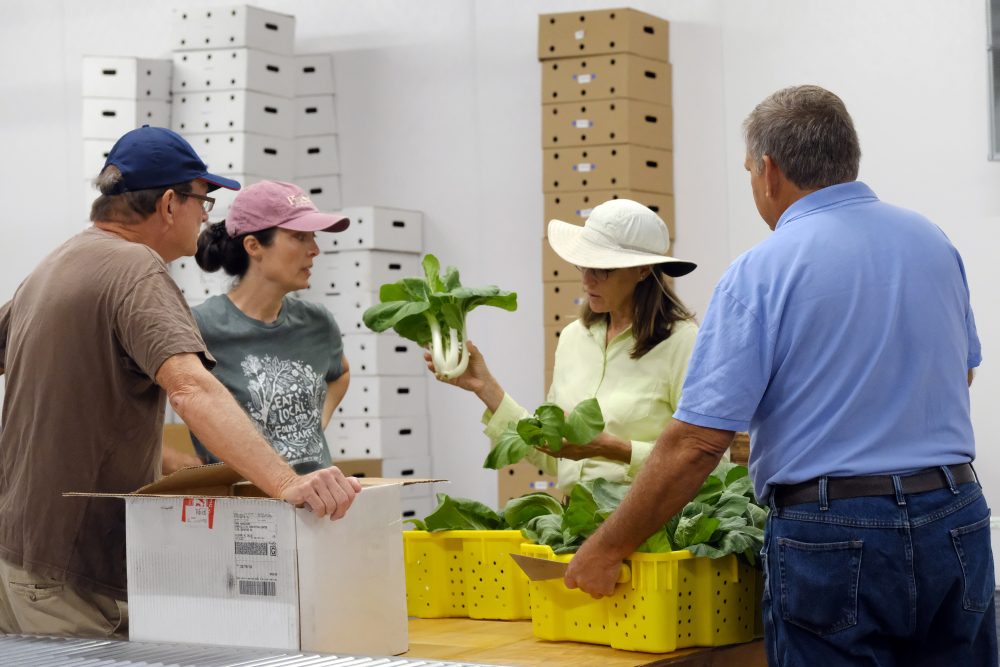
{"x": 155, "y": 157}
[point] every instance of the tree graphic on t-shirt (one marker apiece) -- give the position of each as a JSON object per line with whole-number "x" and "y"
{"x": 285, "y": 401}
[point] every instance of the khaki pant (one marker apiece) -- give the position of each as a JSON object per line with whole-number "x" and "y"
{"x": 34, "y": 605}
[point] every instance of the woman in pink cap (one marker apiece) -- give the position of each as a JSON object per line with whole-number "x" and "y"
{"x": 629, "y": 349}
{"x": 282, "y": 358}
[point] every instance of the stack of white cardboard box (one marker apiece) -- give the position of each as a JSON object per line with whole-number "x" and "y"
{"x": 234, "y": 100}
{"x": 384, "y": 414}
{"x": 119, "y": 94}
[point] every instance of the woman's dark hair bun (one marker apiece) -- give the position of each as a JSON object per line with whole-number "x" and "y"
{"x": 212, "y": 246}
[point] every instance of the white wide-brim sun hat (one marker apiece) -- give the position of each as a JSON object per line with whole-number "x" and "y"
{"x": 618, "y": 234}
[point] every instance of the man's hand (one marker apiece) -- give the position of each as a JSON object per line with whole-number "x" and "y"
{"x": 592, "y": 571}
{"x": 324, "y": 492}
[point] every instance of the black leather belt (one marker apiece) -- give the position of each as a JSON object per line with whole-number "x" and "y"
{"x": 870, "y": 485}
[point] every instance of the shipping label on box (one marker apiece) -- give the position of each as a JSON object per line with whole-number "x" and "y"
{"x": 562, "y": 302}
{"x": 234, "y": 111}
{"x": 314, "y": 74}
{"x": 383, "y": 354}
{"x": 385, "y": 396}
{"x": 108, "y": 118}
{"x": 575, "y": 207}
{"x": 316, "y": 156}
{"x": 570, "y": 34}
{"x": 577, "y": 169}
{"x": 233, "y": 69}
{"x": 360, "y": 270}
{"x": 605, "y": 78}
{"x": 245, "y": 153}
{"x": 315, "y": 115}
{"x": 383, "y": 437}
{"x": 377, "y": 228}
{"x": 126, "y": 77}
{"x": 232, "y": 27}
{"x": 600, "y": 122}
{"x": 324, "y": 191}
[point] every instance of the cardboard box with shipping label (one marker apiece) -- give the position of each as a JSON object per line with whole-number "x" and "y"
{"x": 569, "y": 34}
{"x": 211, "y": 561}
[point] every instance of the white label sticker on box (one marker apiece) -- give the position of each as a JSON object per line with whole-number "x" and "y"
{"x": 578, "y": 34}
{"x": 198, "y": 512}
{"x": 583, "y": 123}
{"x": 584, "y": 212}
{"x": 584, "y": 78}
{"x": 541, "y": 485}
{"x": 584, "y": 166}
{"x": 255, "y": 549}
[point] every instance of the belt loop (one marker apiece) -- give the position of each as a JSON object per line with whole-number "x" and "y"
{"x": 824, "y": 502}
{"x": 897, "y": 485}
{"x": 951, "y": 479}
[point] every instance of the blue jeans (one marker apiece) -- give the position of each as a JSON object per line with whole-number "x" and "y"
{"x": 886, "y": 580}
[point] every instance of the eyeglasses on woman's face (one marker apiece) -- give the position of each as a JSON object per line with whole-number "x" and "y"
{"x": 207, "y": 203}
{"x": 600, "y": 275}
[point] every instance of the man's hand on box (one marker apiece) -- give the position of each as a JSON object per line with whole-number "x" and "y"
{"x": 326, "y": 492}
{"x": 592, "y": 571}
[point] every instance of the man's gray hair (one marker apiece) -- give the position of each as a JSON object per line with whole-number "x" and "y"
{"x": 808, "y": 133}
{"x": 128, "y": 207}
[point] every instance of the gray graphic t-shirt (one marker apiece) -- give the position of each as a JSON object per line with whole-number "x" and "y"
{"x": 278, "y": 372}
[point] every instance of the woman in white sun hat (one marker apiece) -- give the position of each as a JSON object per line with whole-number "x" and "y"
{"x": 629, "y": 349}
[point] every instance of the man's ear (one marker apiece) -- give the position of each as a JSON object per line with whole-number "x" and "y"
{"x": 165, "y": 205}
{"x": 772, "y": 177}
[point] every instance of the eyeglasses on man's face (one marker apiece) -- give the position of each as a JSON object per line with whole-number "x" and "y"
{"x": 600, "y": 275}
{"x": 207, "y": 203}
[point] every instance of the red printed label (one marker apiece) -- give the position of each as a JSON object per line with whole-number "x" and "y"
{"x": 198, "y": 512}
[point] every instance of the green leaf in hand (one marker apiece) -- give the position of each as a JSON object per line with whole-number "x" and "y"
{"x": 584, "y": 423}
{"x": 509, "y": 449}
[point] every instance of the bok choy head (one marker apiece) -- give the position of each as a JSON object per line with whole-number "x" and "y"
{"x": 431, "y": 311}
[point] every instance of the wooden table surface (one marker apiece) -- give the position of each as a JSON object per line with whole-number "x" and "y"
{"x": 512, "y": 643}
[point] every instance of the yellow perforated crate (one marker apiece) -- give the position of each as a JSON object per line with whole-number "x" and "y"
{"x": 465, "y": 573}
{"x": 671, "y": 601}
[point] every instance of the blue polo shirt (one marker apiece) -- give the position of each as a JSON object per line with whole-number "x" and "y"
{"x": 842, "y": 343}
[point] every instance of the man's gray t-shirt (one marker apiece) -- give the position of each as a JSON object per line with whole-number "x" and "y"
{"x": 278, "y": 372}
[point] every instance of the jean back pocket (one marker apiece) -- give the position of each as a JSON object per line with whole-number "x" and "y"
{"x": 972, "y": 545}
{"x": 819, "y": 584}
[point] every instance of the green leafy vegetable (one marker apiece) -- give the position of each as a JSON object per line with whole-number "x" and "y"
{"x": 547, "y": 428}
{"x": 431, "y": 311}
{"x": 461, "y": 514}
{"x": 519, "y": 511}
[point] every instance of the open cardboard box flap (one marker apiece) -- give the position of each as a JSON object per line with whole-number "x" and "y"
{"x": 218, "y": 480}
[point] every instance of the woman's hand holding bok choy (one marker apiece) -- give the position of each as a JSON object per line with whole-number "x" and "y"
{"x": 476, "y": 378}
{"x": 431, "y": 311}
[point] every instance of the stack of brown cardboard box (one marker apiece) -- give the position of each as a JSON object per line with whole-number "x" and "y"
{"x": 607, "y": 133}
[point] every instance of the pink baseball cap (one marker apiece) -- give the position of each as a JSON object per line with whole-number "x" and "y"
{"x": 276, "y": 204}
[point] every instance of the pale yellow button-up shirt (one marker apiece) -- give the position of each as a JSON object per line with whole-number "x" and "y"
{"x": 637, "y": 396}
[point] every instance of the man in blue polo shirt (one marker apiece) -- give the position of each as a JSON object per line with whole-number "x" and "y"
{"x": 845, "y": 343}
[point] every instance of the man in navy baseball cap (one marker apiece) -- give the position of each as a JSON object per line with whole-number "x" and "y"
{"x": 101, "y": 331}
{"x": 155, "y": 157}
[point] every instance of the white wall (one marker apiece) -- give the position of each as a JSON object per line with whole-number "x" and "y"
{"x": 438, "y": 105}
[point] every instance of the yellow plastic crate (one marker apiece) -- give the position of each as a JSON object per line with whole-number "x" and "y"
{"x": 671, "y": 601}
{"x": 465, "y": 573}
